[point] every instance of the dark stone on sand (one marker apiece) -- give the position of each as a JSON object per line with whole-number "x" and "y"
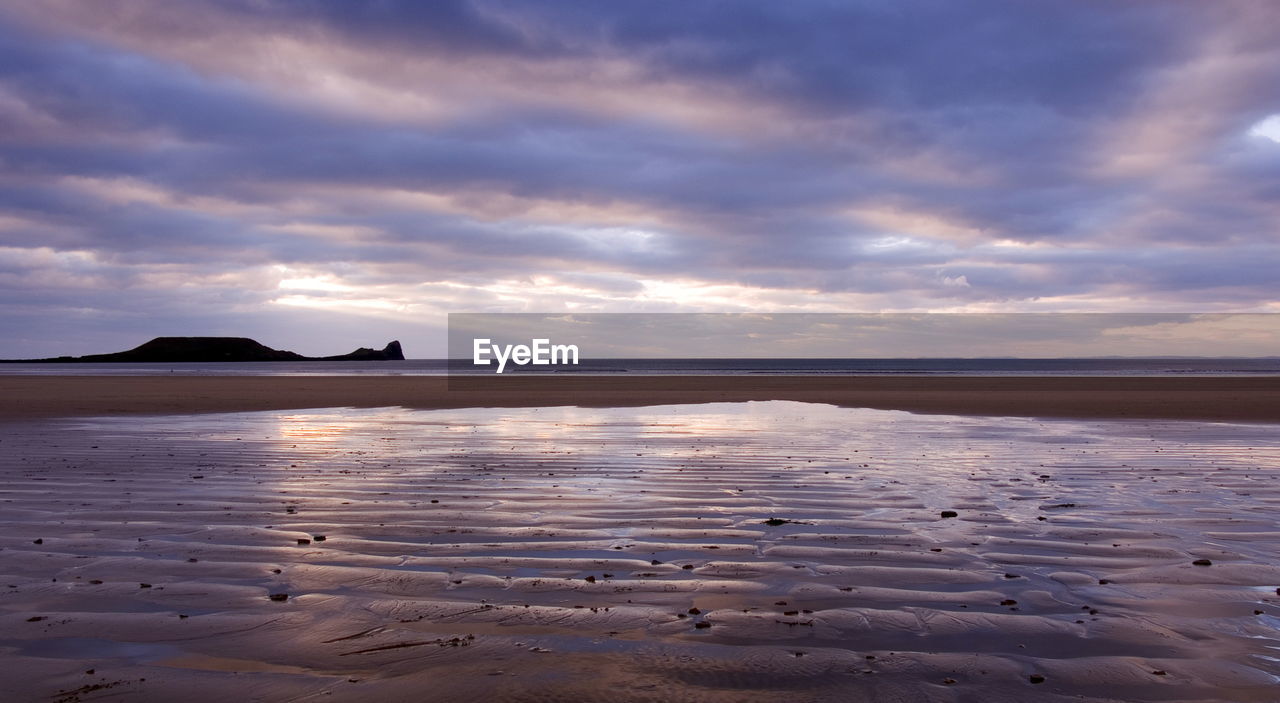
{"x": 303, "y": 541}
{"x": 144, "y": 585}
{"x": 205, "y": 349}
{"x": 37, "y": 541}
{"x": 279, "y": 597}
{"x": 702, "y": 625}
{"x": 1035, "y": 678}
{"x": 950, "y": 513}
{"x": 1202, "y": 562}
{"x": 319, "y": 538}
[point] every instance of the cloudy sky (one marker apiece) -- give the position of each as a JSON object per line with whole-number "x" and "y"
{"x": 322, "y": 175}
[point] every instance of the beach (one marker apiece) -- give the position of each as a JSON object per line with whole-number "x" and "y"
{"x": 1224, "y": 399}
{"x": 578, "y": 352}
{"x": 669, "y": 539}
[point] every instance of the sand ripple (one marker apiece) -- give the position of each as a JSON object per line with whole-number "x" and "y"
{"x": 726, "y": 552}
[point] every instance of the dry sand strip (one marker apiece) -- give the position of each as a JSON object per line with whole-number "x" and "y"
{"x": 746, "y": 553}
{"x": 1224, "y": 399}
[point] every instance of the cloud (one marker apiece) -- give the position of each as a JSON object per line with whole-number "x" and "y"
{"x": 423, "y": 157}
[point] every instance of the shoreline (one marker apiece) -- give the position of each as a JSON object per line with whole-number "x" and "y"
{"x": 1215, "y": 399}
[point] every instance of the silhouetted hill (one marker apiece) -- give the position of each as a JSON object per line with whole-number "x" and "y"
{"x": 390, "y": 352}
{"x": 189, "y": 349}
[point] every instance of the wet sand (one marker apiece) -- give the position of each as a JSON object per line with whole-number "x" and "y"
{"x": 771, "y": 551}
{"x": 1227, "y": 399}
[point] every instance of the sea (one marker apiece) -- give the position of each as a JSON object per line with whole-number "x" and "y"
{"x": 684, "y": 367}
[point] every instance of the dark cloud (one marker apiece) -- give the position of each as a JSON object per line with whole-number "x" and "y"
{"x": 408, "y": 158}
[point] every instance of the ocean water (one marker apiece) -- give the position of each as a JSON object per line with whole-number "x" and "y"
{"x": 688, "y": 367}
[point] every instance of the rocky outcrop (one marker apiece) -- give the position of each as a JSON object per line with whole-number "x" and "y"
{"x": 389, "y": 352}
{"x": 196, "y": 349}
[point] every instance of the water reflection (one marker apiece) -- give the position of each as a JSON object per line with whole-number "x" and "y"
{"x": 554, "y": 514}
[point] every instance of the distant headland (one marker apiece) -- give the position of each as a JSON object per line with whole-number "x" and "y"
{"x": 163, "y": 350}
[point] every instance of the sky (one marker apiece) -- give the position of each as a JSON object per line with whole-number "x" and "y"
{"x": 326, "y": 175}
{"x": 869, "y": 335}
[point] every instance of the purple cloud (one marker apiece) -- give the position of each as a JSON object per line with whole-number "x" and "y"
{"x": 169, "y": 164}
